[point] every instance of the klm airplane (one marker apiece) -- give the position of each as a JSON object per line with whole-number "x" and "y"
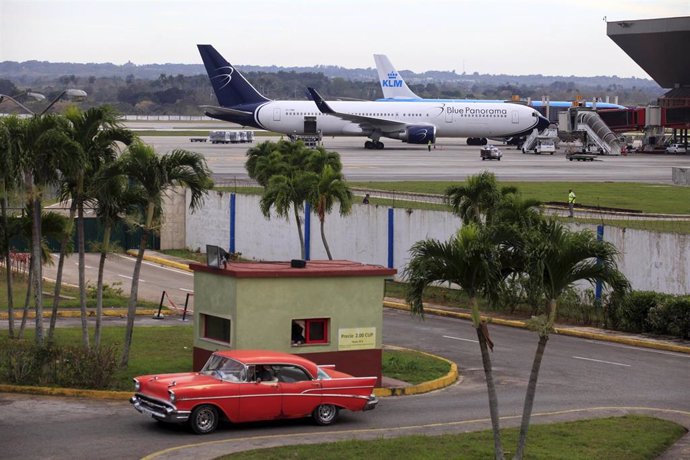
{"x": 418, "y": 122}
{"x": 396, "y": 90}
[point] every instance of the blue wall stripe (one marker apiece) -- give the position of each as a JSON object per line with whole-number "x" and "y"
{"x": 232, "y": 223}
{"x": 390, "y": 237}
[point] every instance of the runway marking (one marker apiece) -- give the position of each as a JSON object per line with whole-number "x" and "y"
{"x": 600, "y": 361}
{"x": 129, "y": 278}
{"x": 460, "y": 338}
{"x": 85, "y": 266}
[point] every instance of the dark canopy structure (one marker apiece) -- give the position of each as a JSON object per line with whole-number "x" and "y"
{"x": 660, "y": 46}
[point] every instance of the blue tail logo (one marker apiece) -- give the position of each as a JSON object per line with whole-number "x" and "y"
{"x": 226, "y": 78}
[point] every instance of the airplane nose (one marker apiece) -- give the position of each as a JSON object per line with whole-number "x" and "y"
{"x": 543, "y": 122}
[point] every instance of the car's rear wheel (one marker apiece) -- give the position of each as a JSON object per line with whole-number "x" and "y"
{"x": 204, "y": 419}
{"x": 325, "y": 414}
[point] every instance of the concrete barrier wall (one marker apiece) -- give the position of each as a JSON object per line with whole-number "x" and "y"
{"x": 680, "y": 176}
{"x": 651, "y": 261}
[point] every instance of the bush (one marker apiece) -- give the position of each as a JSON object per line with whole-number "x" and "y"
{"x": 18, "y": 363}
{"x": 25, "y": 363}
{"x": 580, "y": 307}
{"x": 671, "y": 317}
{"x": 632, "y": 311}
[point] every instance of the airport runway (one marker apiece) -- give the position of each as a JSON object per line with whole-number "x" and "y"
{"x": 451, "y": 160}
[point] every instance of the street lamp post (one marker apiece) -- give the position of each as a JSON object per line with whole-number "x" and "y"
{"x": 77, "y": 95}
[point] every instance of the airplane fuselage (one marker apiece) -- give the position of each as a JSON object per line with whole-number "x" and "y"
{"x": 449, "y": 119}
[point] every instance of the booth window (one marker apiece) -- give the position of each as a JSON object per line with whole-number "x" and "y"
{"x": 309, "y": 331}
{"x": 216, "y": 328}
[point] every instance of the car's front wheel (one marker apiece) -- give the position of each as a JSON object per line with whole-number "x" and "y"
{"x": 204, "y": 419}
{"x": 325, "y": 414}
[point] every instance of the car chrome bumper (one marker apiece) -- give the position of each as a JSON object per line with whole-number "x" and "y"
{"x": 372, "y": 403}
{"x": 158, "y": 410}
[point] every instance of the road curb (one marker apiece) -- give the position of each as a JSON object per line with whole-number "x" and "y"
{"x": 634, "y": 342}
{"x": 115, "y": 312}
{"x": 74, "y": 392}
{"x": 425, "y": 387}
{"x": 161, "y": 261}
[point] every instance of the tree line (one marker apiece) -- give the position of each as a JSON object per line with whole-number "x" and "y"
{"x": 179, "y": 94}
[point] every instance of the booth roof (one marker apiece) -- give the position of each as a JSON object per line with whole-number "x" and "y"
{"x": 311, "y": 269}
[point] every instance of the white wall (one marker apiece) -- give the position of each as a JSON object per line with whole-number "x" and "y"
{"x": 651, "y": 261}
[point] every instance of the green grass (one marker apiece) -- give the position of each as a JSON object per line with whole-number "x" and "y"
{"x": 619, "y": 438}
{"x": 650, "y": 198}
{"x": 186, "y": 254}
{"x": 412, "y": 367}
{"x": 166, "y": 349}
{"x": 154, "y": 350}
{"x": 113, "y": 297}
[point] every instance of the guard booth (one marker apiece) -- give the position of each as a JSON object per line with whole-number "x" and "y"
{"x": 330, "y": 312}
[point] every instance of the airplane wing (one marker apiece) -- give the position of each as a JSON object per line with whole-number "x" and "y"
{"x": 366, "y": 122}
{"x": 215, "y": 110}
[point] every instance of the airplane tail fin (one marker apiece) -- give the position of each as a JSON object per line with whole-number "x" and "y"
{"x": 230, "y": 86}
{"x": 392, "y": 83}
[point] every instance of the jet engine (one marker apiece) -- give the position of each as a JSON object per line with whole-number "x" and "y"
{"x": 419, "y": 134}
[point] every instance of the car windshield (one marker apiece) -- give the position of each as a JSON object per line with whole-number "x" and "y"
{"x": 322, "y": 375}
{"x": 225, "y": 369}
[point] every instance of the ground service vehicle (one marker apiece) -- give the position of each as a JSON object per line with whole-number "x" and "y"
{"x": 490, "y": 152}
{"x": 580, "y": 156}
{"x": 252, "y": 385}
{"x": 676, "y": 148}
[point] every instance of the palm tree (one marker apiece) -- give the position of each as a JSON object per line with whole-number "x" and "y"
{"x": 478, "y": 198}
{"x": 95, "y": 133}
{"x": 469, "y": 261}
{"x": 282, "y": 168}
{"x": 554, "y": 259}
{"x": 9, "y": 180}
{"x": 331, "y": 187}
{"x": 113, "y": 200}
{"x": 46, "y": 150}
{"x": 153, "y": 175}
{"x": 53, "y": 225}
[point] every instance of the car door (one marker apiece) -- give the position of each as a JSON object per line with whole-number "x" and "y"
{"x": 260, "y": 400}
{"x": 301, "y": 394}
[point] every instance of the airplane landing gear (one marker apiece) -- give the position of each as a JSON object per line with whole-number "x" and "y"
{"x": 373, "y": 145}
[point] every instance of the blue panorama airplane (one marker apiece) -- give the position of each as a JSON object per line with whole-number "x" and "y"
{"x": 412, "y": 122}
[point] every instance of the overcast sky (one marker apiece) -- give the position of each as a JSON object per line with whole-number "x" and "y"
{"x": 487, "y": 36}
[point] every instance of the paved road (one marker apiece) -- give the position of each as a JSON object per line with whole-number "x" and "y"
{"x": 153, "y": 281}
{"x": 576, "y": 374}
{"x": 451, "y": 160}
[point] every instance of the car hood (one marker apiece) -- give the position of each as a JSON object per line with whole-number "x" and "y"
{"x": 159, "y": 385}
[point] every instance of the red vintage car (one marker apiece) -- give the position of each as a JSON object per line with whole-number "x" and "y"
{"x": 252, "y": 385}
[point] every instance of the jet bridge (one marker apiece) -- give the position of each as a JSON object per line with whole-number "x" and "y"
{"x": 598, "y": 134}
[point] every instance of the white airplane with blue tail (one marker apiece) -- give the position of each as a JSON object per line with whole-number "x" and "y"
{"x": 418, "y": 122}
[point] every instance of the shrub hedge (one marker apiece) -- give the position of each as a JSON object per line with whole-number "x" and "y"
{"x": 25, "y": 363}
{"x": 644, "y": 311}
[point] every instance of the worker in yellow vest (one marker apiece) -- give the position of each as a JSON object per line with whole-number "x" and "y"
{"x": 571, "y": 201}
